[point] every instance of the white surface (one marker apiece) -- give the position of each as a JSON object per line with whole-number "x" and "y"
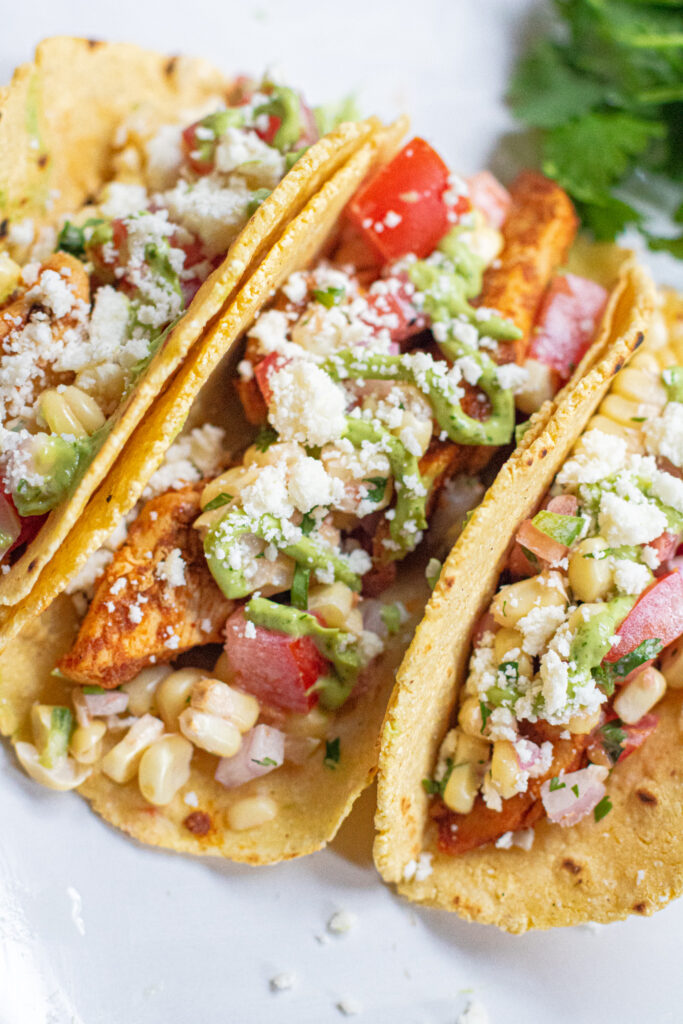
{"x": 95, "y": 929}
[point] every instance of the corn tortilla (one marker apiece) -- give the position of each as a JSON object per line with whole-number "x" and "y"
{"x": 587, "y": 872}
{"x": 57, "y": 120}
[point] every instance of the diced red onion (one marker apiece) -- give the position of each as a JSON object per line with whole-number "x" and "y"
{"x": 563, "y": 505}
{"x": 261, "y": 744}
{"x": 372, "y": 617}
{"x": 10, "y": 525}
{"x": 528, "y": 754}
{"x": 563, "y": 806}
{"x": 100, "y": 704}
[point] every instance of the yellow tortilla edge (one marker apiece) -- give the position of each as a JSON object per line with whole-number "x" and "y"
{"x": 590, "y": 871}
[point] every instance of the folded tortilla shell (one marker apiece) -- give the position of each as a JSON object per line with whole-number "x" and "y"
{"x": 58, "y": 117}
{"x": 629, "y": 862}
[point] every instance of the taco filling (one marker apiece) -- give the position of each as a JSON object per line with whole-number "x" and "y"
{"x": 582, "y": 638}
{"x": 380, "y": 380}
{"x": 86, "y": 307}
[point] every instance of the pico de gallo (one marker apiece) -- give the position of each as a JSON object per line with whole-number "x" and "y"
{"x": 582, "y": 640}
{"x": 379, "y": 381}
{"x": 86, "y": 306}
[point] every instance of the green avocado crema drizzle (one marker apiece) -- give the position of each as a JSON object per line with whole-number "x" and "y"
{"x": 337, "y": 645}
{"x": 411, "y": 496}
{"x": 305, "y": 551}
{"x": 61, "y": 464}
{"x": 592, "y": 640}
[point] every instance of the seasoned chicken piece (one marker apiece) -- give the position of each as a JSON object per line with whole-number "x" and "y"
{"x": 156, "y": 599}
{"x": 459, "y": 833}
{"x": 537, "y": 234}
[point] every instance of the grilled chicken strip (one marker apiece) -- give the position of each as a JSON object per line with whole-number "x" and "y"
{"x": 537, "y": 235}
{"x": 156, "y": 599}
{"x": 459, "y": 833}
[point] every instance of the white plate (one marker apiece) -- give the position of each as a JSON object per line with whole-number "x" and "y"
{"x": 96, "y": 929}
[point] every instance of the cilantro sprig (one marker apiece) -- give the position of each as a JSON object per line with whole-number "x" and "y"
{"x": 604, "y": 97}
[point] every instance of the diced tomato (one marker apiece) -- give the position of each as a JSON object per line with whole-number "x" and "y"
{"x": 278, "y": 669}
{"x": 539, "y": 543}
{"x": 392, "y": 309}
{"x": 566, "y": 322}
{"x": 404, "y": 208}
{"x": 29, "y": 525}
{"x": 519, "y": 564}
{"x": 657, "y": 614}
{"x": 488, "y": 195}
{"x": 666, "y": 545}
{"x": 268, "y": 131}
{"x": 637, "y": 734}
{"x": 263, "y": 370}
{"x": 199, "y": 156}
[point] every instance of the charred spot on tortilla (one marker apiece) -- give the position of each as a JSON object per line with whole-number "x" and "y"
{"x": 4, "y": 227}
{"x": 198, "y": 823}
{"x": 170, "y": 66}
{"x": 571, "y": 866}
{"x": 646, "y": 797}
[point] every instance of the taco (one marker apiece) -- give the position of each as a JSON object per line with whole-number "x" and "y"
{"x": 137, "y": 193}
{"x": 551, "y": 757}
{"x": 220, "y": 688}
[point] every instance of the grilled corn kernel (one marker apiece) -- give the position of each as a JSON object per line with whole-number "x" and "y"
{"x": 211, "y": 733}
{"x": 121, "y": 762}
{"x": 84, "y": 408}
{"x": 637, "y": 385}
{"x": 539, "y": 387}
{"x": 251, "y": 812}
{"x": 583, "y": 724}
{"x": 66, "y": 774}
{"x": 507, "y": 640}
{"x": 58, "y": 414}
{"x": 671, "y": 665}
{"x": 164, "y": 768}
{"x": 474, "y": 749}
{"x": 505, "y": 770}
{"x": 104, "y": 383}
{"x": 626, "y": 412}
{"x": 469, "y": 717}
{"x": 231, "y": 482}
{"x": 640, "y": 695}
{"x": 216, "y": 698}
{"x": 666, "y": 356}
{"x": 461, "y": 789}
{"x": 86, "y": 742}
{"x": 142, "y": 690}
{"x": 334, "y": 601}
{"x": 631, "y": 435}
{"x": 483, "y": 239}
{"x": 645, "y": 361}
{"x": 41, "y": 724}
{"x": 590, "y": 578}
{"x": 516, "y": 600}
{"x": 173, "y": 694}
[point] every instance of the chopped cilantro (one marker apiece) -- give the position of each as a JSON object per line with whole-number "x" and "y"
{"x": 673, "y": 382}
{"x": 602, "y": 809}
{"x": 329, "y": 297}
{"x": 93, "y": 689}
{"x": 332, "y": 753}
{"x": 299, "y": 592}
{"x": 485, "y": 714}
{"x": 71, "y": 239}
{"x": 575, "y": 791}
{"x": 307, "y": 523}
{"x": 267, "y": 762}
{"x": 607, "y": 79}
{"x": 377, "y": 488}
{"x": 638, "y": 419}
{"x": 606, "y": 674}
{"x": 391, "y": 617}
{"x": 221, "y": 499}
{"x": 437, "y": 787}
{"x": 555, "y": 784}
{"x": 265, "y": 437}
{"x": 613, "y": 737}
